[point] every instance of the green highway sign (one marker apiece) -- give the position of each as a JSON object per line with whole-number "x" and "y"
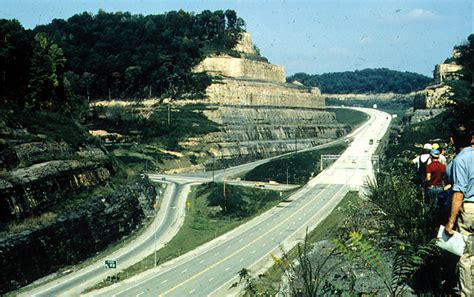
{"x": 111, "y": 264}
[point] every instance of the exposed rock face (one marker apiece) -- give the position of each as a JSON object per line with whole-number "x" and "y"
{"x": 228, "y": 66}
{"x": 266, "y": 131}
{"x": 245, "y": 45}
{"x": 58, "y": 202}
{"x": 259, "y": 113}
{"x": 34, "y": 189}
{"x": 263, "y": 93}
{"x": 68, "y": 238}
{"x": 437, "y": 95}
{"x": 446, "y": 72}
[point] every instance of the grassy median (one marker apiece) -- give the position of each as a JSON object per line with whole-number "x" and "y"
{"x": 205, "y": 220}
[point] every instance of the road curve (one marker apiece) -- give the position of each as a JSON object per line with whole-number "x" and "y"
{"x": 212, "y": 268}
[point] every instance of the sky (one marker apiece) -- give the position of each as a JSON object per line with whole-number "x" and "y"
{"x": 308, "y": 36}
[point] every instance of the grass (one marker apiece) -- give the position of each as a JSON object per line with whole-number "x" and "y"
{"x": 418, "y": 134}
{"x": 298, "y": 168}
{"x": 202, "y": 223}
{"x": 351, "y": 117}
{"x": 267, "y": 284}
{"x": 50, "y": 126}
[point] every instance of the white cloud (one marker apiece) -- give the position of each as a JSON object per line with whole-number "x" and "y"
{"x": 421, "y": 14}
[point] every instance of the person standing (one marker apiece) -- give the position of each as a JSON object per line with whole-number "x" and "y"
{"x": 434, "y": 177}
{"x": 442, "y": 151}
{"x": 462, "y": 209}
{"x": 421, "y": 162}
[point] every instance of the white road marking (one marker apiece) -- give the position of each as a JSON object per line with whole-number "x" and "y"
{"x": 184, "y": 271}
{"x": 227, "y": 269}
{"x": 192, "y": 291}
{"x": 273, "y": 238}
{"x": 139, "y": 294}
{"x": 240, "y": 240}
{"x": 217, "y": 253}
{"x": 253, "y": 252}
{"x": 281, "y": 232}
{"x": 241, "y": 260}
{"x": 211, "y": 279}
{"x": 164, "y": 281}
{"x": 264, "y": 244}
{"x": 202, "y": 261}
{"x": 229, "y": 246}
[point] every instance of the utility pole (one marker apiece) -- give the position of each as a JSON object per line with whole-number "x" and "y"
{"x": 225, "y": 198}
{"x": 287, "y": 176}
{"x": 213, "y": 168}
{"x": 169, "y": 121}
{"x": 156, "y": 227}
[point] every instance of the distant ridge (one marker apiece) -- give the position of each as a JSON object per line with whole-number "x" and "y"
{"x": 378, "y": 80}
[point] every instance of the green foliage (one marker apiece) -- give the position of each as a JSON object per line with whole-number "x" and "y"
{"x": 46, "y": 85}
{"x": 298, "y": 168}
{"x": 412, "y": 219}
{"x": 460, "y": 113}
{"x": 15, "y": 53}
{"x": 415, "y": 135}
{"x": 349, "y": 117}
{"x": 238, "y": 201}
{"x": 399, "y": 105}
{"x": 55, "y": 126}
{"x": 138, "y": 56}
{"x": 306, "y": 277}
{"x": 184, "y": 122}
{"x": 380, "y": 80}
{"x": 407, "y": 262}
{"x": 357, "y": 247}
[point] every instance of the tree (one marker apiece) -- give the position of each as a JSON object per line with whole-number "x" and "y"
{"x": 46, "y": 85}
{"x": 15, "y": 55}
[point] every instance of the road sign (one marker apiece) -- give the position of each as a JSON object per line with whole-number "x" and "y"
{"x": 111, "y": 264}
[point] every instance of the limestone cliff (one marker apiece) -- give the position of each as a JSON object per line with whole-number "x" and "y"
{"x": 261, "y": 115}
{"x": 437, "y": 95}
{"x": 58, "y": 193}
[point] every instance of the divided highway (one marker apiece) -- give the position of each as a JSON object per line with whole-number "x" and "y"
{"x": 212, "y": 268}
{"x": 165, "y": 225}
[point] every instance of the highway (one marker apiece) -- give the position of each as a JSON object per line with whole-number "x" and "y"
{"x": 165, "y": 225}
{"x": 212, "y": 268}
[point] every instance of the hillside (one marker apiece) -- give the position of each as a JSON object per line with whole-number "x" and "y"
{"x": 379, "y": 80}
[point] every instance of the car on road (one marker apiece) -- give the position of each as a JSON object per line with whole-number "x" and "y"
{"x": 259, "y": 185}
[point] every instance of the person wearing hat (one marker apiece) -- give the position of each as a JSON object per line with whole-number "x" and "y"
{"x": 442, "y": 158}
{"x": 421, "y": 162}
{"x": 434, "y": 176}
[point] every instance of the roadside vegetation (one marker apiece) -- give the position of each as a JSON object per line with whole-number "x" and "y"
{"x": 208, "y": 215}
{"x": 392, "y": 235}
{"x": 399, "y": 105}
{"x": 268, "y": 284}
{"x": 296, "y": 168}
{"x": 141, "y": 141}
{"x": 351, "y": 117}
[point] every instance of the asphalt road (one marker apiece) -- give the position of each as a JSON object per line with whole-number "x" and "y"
{"x": 213, "y": 267}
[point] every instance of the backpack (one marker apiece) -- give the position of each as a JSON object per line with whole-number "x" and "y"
{"x": 421, "y": 173}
